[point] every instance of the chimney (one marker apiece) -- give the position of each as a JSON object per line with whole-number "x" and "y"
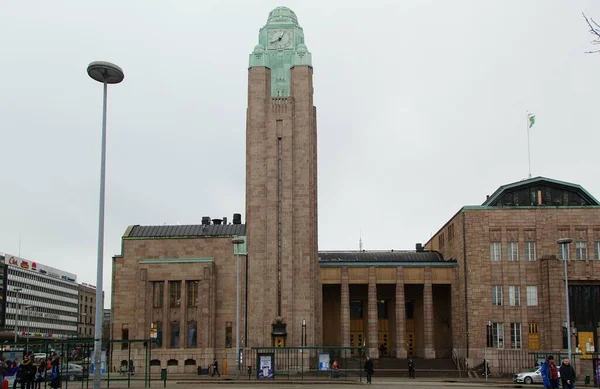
{"x": 217, "y": 222}
{"x": 237, "y": 218}
{"x": 225, "y": 220}
{"x": 205, "y": 220}
{"x": 419, "y": 247}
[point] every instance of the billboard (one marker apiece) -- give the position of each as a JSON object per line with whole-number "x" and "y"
{"x": 12, "y": 260}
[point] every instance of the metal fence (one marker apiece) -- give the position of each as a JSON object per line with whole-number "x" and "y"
{"x": 301, "y": 363}
{"x": 515, "y": 361}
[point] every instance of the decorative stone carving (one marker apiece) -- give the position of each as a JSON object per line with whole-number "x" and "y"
{"x": 529, "y": 235}
{"x": 495, "y": 235}
{"x": 513, "y": 235}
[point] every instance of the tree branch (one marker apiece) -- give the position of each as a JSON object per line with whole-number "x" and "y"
{"x": 593, "y": 30}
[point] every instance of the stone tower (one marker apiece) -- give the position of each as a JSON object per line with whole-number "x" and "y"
{"x": 284, "y": 288}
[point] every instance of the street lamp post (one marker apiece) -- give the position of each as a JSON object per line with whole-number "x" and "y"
{"x": 18, "y": 291}
{"x": 106, "y": 73}
{"x": 303, "y": 332}
{"x": 564, "y": 246}
{"x": 237, "y": 242}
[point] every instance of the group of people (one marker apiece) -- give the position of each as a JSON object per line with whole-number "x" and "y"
{"x": 28, "y": 375}
{"x": 550, "y": 374}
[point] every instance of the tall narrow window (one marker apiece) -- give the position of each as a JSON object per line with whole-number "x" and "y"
{"x": 157, "y": 293}
{"x": 515, "y": 335}
{"x": 228, "y": 335}
{"x": 495, "y": 251}
{"x": 566, "y": 249}
{"x": 513, "y": 251}
{"x": 532, "y": 299}
{"x": 175, "y": 293}
{"x": 175, "y": 335}
{"x": 382, "y": 311}
{"x": 192, "y": 336}
{"x": 191, "y": 288}
{"x": 498, "y": 335}
{"x": 514, "y": 295}
{"x": 356, "y": 309}
{"x": 530, "y": 251}
{"x": 124, "y": 336}
{"x": 581, "y": 250}
{"x": 159, "y": 334}
{"x": 596, "y": 250}
{"x": 496, "y": 294}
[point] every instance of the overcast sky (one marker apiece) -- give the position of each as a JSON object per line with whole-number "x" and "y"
{"x": 421, "y": 109}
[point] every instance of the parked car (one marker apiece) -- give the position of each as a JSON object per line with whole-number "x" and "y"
{"x": 531, "y": 376}
{"x": 70, "y": 372}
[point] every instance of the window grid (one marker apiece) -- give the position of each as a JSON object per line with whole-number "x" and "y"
{"x": 495, "y": 251}
{"x": 513, "y": 251}
{"x": 498, "y": 335}
{"x": 515, "y": 335}
{"x": 175, "y": 293}
{"x": 596, "y": 250}
{"x": 530, "y": 251}
{"x": 532, "y": 298}
{"x": 560, "y": 251}
{"x": 496, "y": 294}
{"x": 514, "y": 295}
{"x": 581, "y": 250}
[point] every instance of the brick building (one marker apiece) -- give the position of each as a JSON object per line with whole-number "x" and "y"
{"x": 509, "y": 291}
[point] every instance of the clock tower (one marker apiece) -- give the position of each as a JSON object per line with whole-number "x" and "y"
{"x": 284, "y": 286}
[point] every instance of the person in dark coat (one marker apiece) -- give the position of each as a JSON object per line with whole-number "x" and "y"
{"x": 567, "y": 374}
{"x": 369, "y": 369}
{"x": 411, "y": 368}
{"x": 215, "y": 368}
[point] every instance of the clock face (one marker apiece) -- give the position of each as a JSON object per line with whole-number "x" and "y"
{"x": 280, "y": 39}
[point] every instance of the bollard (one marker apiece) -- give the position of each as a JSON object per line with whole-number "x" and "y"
{"x": 249, "y": 371}
{"x": 163, "y": 376}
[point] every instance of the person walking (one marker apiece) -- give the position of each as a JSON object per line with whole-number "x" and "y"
{"x": 567, "y": 374}
{"x": 369, "y": 369}
{"x": 411, "y": 368}
{"x": 549, "y": 373}
{"x": 215, "y": 368}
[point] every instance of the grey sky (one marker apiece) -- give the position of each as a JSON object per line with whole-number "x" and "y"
{"x": 421, "y": 110}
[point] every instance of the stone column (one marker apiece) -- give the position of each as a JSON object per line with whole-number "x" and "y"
{"x": 166, "y": 325}
{"x": 182, "y": 321}
{"x": 428, "y": 316}
{"x": 373, "y": 333}
{"x": 400, "y": 314}
{"x": 345, "y": 308}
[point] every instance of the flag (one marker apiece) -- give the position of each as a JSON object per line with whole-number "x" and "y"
{"x": 531, "y": 117}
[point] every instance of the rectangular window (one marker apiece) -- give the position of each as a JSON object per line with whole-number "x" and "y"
{"x": 192, "y": 336}
{"x": 513, "y": 251}
{"x": 409, "y": 310}
{"x": 124, "y": 336}
{"x": 451, "y": 232}
{"x": 191, "y": 288}
{"x": 228, "y": 335}
{"x": 514, "y": 295}
{"x": 596, "y": 250}
{"x": 441, "y": 240}
{"x": 495, "y": 251}
{"x": 560, "y": 251}
{"x": 157, "y": 293}
{"x": 581, "y": 250}
{"x": 496, "y": 294}
{"x": 159, "y": 334}
{"x": 515, "y": 335}
{"x": 530, "y": 251}
{"x": 175, "y": 293}
{"x": 175, "y": 335}
{"x": 498, "y": 335}
{"x": 382, "y": 312}
{"x": 356, "y": 309}
{"x": 532, "y": 297}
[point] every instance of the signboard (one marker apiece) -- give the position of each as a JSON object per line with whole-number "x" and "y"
{"x": 266, "y": 365}
{"x": 37, "y": 267}
{"x": 102, "y": 364}
{"x": 323, "y": 361}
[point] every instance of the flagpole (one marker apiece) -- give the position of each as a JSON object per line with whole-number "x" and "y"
{"x": 528, "y": 148}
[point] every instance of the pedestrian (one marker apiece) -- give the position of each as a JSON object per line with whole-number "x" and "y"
{"x": 39, "y": 375}
{"x": 369, "y": 369}
{"x": 567, "y": 374}
{"x": 28, "y": 374}
{"x": 55, "y": 375}
{"x": 335, "y": 373}
{"x": 215, "y": 368}
{"x": 549, "y": 373}
{"x": 411, "y": 367}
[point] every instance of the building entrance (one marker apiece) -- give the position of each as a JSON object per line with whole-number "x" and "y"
{"x": 357, "y": 335}
{"x": 410, "y": 337}
{"x": 384, "y": 336}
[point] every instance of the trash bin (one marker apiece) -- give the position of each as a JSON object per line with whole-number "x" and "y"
{"x": 163, "y": 374}
{"x": 587, "y": 380}
{"x": 199, "y": 370}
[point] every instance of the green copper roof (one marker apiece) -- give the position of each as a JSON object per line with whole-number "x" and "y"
{"x": 282, "y": 15}
{"x": 280, "y": 47}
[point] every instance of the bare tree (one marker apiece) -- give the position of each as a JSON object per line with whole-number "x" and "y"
{"x": 595, "y": 31}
